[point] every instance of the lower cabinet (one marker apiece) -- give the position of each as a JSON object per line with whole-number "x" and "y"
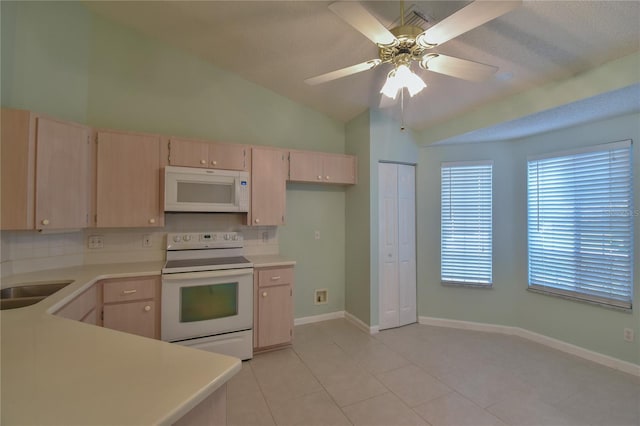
{"x": 81, "y": 308}
{"x": 132, "y": 305}
{"x": 273, "y": 307}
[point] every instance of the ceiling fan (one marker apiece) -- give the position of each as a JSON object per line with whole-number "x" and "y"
{"x": 402, "y": 45}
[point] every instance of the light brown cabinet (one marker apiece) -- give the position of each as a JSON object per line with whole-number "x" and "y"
{"x": 132, "y": 305}
{"x": 129, "y": 192}
{"x": 213, "y": 155}
{"x": 320, "y": 167}
{"x": 273, "y": 307}
{"x": 268, "y": 186}
{"x": 82, "y": 308}
{"x": 46, "y": 172}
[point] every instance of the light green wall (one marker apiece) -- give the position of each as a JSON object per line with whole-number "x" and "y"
{"x": 509, "y": 303}
{"x": 61, "y": 59}
{"x": 358, "y": 222}
{"x": 372, "y": 137}
{"x": 44, "y": 57}
{"x": 138, "y": 83}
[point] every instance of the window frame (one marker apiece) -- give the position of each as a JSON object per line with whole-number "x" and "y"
{"x": 575, "y": 294}
{"x": 462, "y": 282}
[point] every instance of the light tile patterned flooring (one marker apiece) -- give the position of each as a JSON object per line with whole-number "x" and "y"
{"x": 336, "y": 374}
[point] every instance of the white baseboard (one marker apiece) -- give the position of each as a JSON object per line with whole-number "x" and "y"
{"x": 581, "y": 352}
{"x": 360, "y": 324}
{"x": 318, "y": 318}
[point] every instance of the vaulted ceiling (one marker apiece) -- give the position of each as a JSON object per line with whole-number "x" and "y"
{"x": 279, "y": 44}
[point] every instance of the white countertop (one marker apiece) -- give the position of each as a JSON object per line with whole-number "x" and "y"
{"x": 59, "y": 371}
{"x": 265, "y": 261}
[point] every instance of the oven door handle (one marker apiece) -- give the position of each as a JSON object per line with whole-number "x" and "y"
{"x": 181, "y": 276}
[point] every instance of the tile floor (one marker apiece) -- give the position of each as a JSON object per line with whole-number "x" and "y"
{"x": 336, "y": 374}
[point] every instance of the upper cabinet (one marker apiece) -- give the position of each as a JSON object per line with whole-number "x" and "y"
{"x": 128, "y": 180}
{"x": 268, "y": 186}
{"x": 320, "y": 167}
{"x": 46, "y": 172}
{"x": 213, "y": 155}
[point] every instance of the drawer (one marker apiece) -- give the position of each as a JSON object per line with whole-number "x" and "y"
{"x": 79, "y": 307}
{"x": 123, "y": 290}
{"x": 275, "y": 276}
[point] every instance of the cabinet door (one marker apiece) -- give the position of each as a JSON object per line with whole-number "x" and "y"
{"x": 128, "y": 181}
{"x": 305, "y": 167}
{"x": 62, "y": 175}
{"x": 274, "y": 315}
{"x": 135, "y": 318}
{"x": 339, "y": 168}
{"x": 187, "y": 153}
{"x": 268, "y": 186}
{"x": 228, "y": 156}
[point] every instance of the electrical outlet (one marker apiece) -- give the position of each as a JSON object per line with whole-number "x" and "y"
{"x": 95, "y": 242}
{"x": 316, "y": 235}
{"x": 320, "y": 296}
{"x": 628, "y": 334}
{"x": 146, "y": 241}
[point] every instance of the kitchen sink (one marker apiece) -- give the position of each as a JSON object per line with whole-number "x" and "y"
{"x": 29, "y": 294}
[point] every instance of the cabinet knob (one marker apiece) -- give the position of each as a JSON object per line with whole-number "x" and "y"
{"x": 214, "y": 163}
{"x": 45, "y": 221}
{"x": 264, "y": 294}
{"x": 147, "y": 308}
{"x": 327, "y": 177}
{"x": 319, "y": 177}
{"x": 203, "y": 161}
{"x": 257, "y": 221}
{"x": 152, "y": 221}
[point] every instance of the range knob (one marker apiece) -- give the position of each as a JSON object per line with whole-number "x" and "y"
{"x": 176, "y": 238}
{"x": 186, "y": 237}
{"x": 226, "y": 236}
{"x": 235, "y": 237}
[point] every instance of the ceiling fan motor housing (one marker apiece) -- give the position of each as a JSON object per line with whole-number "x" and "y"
{"x": 406, "y": 49}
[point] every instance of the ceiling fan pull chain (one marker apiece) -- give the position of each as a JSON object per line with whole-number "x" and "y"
{"x": 402, "y": 126}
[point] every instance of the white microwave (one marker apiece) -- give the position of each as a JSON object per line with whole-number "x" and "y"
{"x": 189, "y": 189}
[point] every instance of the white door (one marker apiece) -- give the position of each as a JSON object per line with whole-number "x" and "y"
{"x": 397, "y": 245}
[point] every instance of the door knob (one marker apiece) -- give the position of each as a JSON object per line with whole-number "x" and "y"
{"x": 264, "y": 294}
{"x": 147, "y": 308}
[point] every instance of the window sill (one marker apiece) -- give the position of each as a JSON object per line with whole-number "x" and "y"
{"x": 469, "y": 285}
{"x": 573, "y": 298}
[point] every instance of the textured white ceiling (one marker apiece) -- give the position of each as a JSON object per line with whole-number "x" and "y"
{"x": 278, "y": 44}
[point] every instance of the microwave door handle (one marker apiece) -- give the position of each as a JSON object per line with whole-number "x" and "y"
{"x": 205, "y": 274}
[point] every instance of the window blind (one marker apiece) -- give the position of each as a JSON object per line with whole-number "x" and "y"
{"x": 580, "y": 224}
{"x": 466, "y": 223}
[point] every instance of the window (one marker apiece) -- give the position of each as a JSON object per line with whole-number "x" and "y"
{"x": 466, "y": 223}
{"x": 580, "y": 220}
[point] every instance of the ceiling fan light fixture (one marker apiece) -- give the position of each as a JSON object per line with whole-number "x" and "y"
{"x": 391, "y": 86}
{"x": 411, "y": 81}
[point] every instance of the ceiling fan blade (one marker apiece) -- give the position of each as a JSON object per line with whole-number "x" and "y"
{"x": 353, "y": 69}
{"x": 354, "y": 14}
{"x": 456, "y": 67}
{"x": 465, "y": 19}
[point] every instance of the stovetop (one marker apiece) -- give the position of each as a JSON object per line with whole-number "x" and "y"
{"x": 204, "y": 251}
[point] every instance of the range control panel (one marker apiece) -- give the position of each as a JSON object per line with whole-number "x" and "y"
{"x": 198, "y": 240}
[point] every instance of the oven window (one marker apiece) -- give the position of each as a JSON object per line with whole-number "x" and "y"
{"x": 209, "y": 193}
{"x": 206, "y": 302}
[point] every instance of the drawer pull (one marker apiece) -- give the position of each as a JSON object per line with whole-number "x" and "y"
{"x": 264, "y": 294}
{"x": 147, "y": 308}
{"x": 275, "y": 278}
{"x": 125, "y": 292}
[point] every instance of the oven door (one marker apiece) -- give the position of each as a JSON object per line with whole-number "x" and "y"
{"x": 198, "y": 304}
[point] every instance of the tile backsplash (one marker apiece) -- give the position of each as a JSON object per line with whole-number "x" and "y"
{"x": 27, "y": 251}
